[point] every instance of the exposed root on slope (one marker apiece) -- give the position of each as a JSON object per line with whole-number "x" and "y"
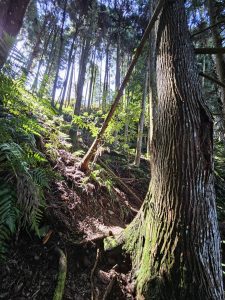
{"x": 58, "y": 295}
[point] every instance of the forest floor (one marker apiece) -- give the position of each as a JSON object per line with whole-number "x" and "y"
{"x": 82, "y": 209}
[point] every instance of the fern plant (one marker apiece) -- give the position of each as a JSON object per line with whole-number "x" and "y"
{"x": 24, "y": 173}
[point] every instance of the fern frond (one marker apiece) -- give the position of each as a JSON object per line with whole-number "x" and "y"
{"x": 5, "y": 236}
{"x": 8, "y": 217}
{"x": 36, "y": 218}
{"x": 8, "y": 212}
{"x": 40, "y": 177}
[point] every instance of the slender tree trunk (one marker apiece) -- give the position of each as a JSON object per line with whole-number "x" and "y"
{"x": 174, "y": 240}
{"x": 141, "y": 120}
{"x": 219, "y": 58}
{"x": 49, "y": 64}
{"x": 126, "y": 131}
{"x": 36, "y": 48}
{"x": 93, "y": 92}
{"x": 92, "y": 80}
{"x": 152, "y": 87}
{"x": 59, "y": 55}
{"x": 11, "y": 19}
{"x": 68, "y": 71}
{"x": 118, "y": 62}
{"x": 70, "y": 82}
{"x": 81, "y": 75}
{"x": 46, "y": 44}
{"x": 106, "y": 80}
{"x": 100, "y": 86}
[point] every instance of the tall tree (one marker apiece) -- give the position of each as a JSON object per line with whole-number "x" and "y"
{"x": 82, "y": 72}
{"x": 69, "y": 63}
{"x": 11, "y": 18}
{"x": 141, "y": 120}
{"x": 59, "y": 54}
{"x": 36, "y": 48}
{"x": 174, "y": 240}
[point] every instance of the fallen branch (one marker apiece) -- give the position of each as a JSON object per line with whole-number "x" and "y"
{"x": 58, "y": 295}
{"x": 121, "y": 183}
{"x": 92, "y": 275}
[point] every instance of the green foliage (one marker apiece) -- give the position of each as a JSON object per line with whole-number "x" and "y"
{"x": 24, "y": 170}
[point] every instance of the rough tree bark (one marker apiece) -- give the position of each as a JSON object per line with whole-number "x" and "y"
{"x": 11, "y": 19}
{"x": 174, "y": 240}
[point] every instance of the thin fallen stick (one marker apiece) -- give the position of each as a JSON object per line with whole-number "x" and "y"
{"x": 92, "y": 275}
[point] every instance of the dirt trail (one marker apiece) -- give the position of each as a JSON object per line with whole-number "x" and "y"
{"x": 80, "y": 212}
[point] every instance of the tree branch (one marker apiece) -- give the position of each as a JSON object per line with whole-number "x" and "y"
{"x": 212, "y": 79}
{"x": 209, "y": 50}
{"x": 207, "y": 28}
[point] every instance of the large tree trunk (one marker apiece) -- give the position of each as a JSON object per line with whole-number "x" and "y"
{"x": 11, "y": 19}
{"x": 174, "y": 239}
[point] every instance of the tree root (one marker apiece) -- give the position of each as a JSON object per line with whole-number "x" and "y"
{"x": 112, "y": 242}
{"x": 109, "y": 287}
{"x": 58, "y": 295}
